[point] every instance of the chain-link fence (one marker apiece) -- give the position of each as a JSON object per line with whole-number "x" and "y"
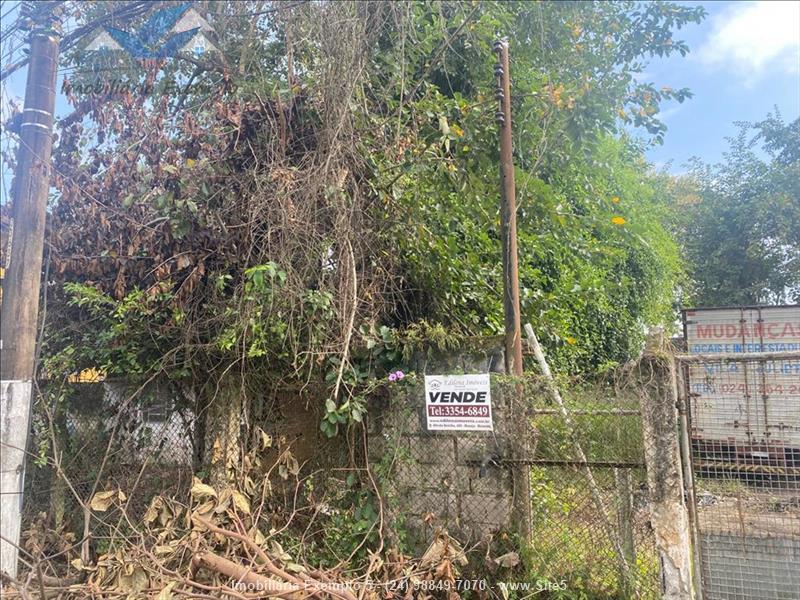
{"x": 578, "y": 481}
{"x": 573, "y": 470}
{"x": 124, "y": 443}
{"x": 744, "y": 427}
{"x": 109, "y": 435}
{"x": 588, "y": 512}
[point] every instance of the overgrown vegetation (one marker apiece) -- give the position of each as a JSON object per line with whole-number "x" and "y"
{"x": 319, "y": 200}
{"x": 336, "y": 174}
{"x": 738, "y": 219}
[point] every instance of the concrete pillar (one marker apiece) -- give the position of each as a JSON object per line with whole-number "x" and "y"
{"x": 668, "y": 512}
{"x": 14, "y": 408}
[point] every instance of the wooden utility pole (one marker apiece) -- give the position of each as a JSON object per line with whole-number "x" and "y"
{"x": 20, "y": 303}
{"x": 508, "y": 232}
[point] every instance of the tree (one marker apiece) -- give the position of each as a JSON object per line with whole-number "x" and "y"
{"x": 332, "y": 186}
{"x": 596, "y": 265}
{"x": 739, "y": 224}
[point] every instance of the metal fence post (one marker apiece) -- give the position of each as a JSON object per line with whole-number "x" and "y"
{"x": 625, "y": 517}
{"x": 668, "y": 514}
{"x": 688, "y": 476}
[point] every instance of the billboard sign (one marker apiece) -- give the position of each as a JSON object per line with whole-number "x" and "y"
{"x": 750, "y": 404}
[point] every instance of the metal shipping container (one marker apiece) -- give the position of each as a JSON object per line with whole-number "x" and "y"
{"x": 745, "y": 411}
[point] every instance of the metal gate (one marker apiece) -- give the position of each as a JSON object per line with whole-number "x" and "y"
{"x": 741, "y": 416}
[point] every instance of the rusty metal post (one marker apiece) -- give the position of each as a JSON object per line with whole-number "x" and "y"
{"x": 508, "y": 215}
{"x": 684, "y": 412}
{"x": 522, "y": 515}
{"x": 627, "y": 585}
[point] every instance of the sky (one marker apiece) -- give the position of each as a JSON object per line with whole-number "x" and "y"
{"x": 744, "y": 61}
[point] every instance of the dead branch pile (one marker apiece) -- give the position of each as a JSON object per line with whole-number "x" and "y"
{"x": 212, "y": 547}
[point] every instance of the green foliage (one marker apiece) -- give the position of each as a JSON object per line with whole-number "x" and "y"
{"x": 363, "y": 224}
{"x": 590, "y": 284}
{"x": 738, "y": 220}
{"x": 596, "y": 264}
{"x": 114, "y": 342}
{"x": 265, "y": 321}
{"x": 351, "y": 527}
{"x": 349, "y": 412}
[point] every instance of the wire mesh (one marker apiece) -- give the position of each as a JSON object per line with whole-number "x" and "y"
{"x": 578, "y": 533}
{"x": 99, "y": 441}
{"x": 745, "y": 451}
{"x": 464, "y": 483}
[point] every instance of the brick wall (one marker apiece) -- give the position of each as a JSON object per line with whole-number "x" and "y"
{"x": 440, "y": 479}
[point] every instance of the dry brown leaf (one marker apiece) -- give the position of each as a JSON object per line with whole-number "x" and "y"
{"x": 202, "y": 490}
{"x": 205, "y": 508}
{"x": 133, "y": 580}
{"x": 166, "y": 592}
{"x": 241, "y": 502}
{"x": 153, "y": 510}
{"x": 102, "y": 501}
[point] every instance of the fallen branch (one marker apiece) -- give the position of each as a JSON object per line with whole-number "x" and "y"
{"x": 301, "y": 582}
{"x": 253, "y": 581}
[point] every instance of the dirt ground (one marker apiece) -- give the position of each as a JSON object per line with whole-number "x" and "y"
{"x": 745, "y": 510}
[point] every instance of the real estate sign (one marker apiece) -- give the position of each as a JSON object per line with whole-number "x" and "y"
{"x": 458, "y": 402}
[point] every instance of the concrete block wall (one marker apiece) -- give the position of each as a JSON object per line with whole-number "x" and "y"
{"x": 435, "y": 479}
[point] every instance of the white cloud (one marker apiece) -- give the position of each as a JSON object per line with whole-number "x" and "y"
{"x": 750, "y": 37}
{"x": 670, "y": 112}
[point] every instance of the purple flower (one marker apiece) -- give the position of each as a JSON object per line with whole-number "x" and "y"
{"x": 392, "y": 376}
{"x": 400, "y": 375}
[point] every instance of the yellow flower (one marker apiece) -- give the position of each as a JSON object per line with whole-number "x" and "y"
{"x": 571, "y": 340}
{"x": 617, "y": 220}
{"x": 87, "y": 376}
{"x": 190, "y": 162}
{"x": 615, "y": 199}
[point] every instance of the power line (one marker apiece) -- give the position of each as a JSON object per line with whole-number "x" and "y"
{"x": 269, "y": 11}
{"x": 10, "y": 10}
{"x": 9, "y": 53}
{"x": 130, "y": 10}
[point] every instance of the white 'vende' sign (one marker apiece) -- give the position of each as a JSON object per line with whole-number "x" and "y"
{"x": 458, "y": 402}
